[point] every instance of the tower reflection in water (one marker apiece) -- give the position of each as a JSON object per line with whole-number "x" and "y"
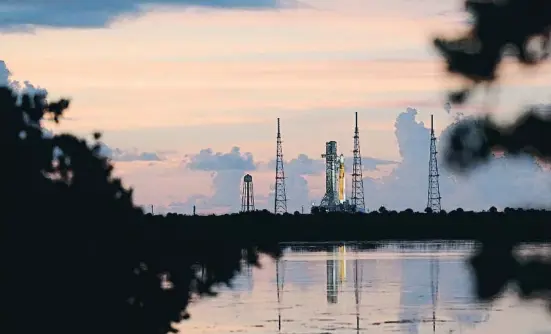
{"x": 336, "y": 276}
{"x": 336, "y": 273}
{"x": 438, "y": 286}
{"x": 434, "y": 287}
{"x": 280, "y": 281}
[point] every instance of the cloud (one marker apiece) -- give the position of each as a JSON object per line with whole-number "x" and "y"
{"x": 186, "y": 207}
{"x": 303, "y": 165}
{"x": 297, "y": 189}
{"x": 227, "y": 174}
{"x": 24, "y": 15}
{"x": 118, "y": 154}
{"x": 226, "y": 197}
{"x": 368, "y": 163}
{"x": 207, "y": 160}
{"x": 505, "y": 181}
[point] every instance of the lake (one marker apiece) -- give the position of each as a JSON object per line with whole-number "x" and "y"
{"x": 395, "y": 288}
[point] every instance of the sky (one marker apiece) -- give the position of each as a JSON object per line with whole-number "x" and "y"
{"x": 187, "y": 93}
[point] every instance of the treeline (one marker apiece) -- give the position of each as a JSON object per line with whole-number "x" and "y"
{"x": 511, "y": 226}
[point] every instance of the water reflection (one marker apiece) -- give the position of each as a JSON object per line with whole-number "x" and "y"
{"x": 280, "y": 281}
{"x": 346, "y": 289}
{"x": 336, "y": 273}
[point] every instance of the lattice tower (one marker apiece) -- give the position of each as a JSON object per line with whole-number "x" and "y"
{"x": 357, "y": 198}
{"x": 280, "y": 198}
{"x": 433, "y": 198}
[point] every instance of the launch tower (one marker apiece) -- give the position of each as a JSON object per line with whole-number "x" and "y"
{"x": 357, "y": 199}
{"x": 280, "y": 196}
{"x": 247, "y": 195}
{"x": 335, "y": 181}
{"x": 331, "y": 198}
{"x": 433, "y": 198}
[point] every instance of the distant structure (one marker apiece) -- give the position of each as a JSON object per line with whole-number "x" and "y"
{"x": 280, "y": 197}
{"x": 342, "y": 180}
{"x": 330, "y": 200}
{"x": 357, "y": 199}
{"x": 335, "y": 179}
{"x": 247, "y": 195}
{"x": 433, "y": 200}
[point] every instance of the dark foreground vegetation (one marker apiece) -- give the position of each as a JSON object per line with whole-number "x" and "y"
{"x": 522, "y": 28}
{"x": 511, "y": 226}
{"x": 79, "y": 257}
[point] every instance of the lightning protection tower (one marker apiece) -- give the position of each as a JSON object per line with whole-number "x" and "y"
{"x": 357, "y": 198}
{"x": 433, "y": 200}
{"x": 280, "y": 197}
{"x": 247, "y": 195}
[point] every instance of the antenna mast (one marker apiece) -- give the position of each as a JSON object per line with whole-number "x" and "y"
{"x": 280, "y": 198}
{"x": 357, "y": 199}
{"x": 433, "y": 198}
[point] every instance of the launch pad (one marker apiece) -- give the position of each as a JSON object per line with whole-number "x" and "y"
{"x": 334, "y": 199}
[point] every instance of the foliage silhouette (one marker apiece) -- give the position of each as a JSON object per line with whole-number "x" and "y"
{"x": 77, "y": 254}
{"x": 476, "y": 56}
{"x": 499, "y": 27}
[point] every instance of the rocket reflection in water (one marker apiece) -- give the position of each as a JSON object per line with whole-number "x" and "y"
{"x": 336, "y": 273}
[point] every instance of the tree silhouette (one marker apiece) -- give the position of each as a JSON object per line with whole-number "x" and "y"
{"x": 500, "y": 28}
{"x": 77, "y": 254}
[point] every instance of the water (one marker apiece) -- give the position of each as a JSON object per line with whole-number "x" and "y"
{"x": 392, "y": 289}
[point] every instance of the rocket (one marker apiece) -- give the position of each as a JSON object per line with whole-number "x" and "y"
{"x": 342, "y": 181}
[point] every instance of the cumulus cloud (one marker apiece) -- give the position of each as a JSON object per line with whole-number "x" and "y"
{"x": 368, "y": 163}
{"x": 504, "y": 181}
{"x": 302, "y": 165}
{"x": 227, "y": 174}
{"x": 24, "y": 15}
{"x": 117, "y": 154}
{"x": 207, "y": 160}
{"x": 297, "y": 188}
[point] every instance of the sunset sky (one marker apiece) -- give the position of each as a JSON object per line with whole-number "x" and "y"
{"x": 187, "y": 96}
